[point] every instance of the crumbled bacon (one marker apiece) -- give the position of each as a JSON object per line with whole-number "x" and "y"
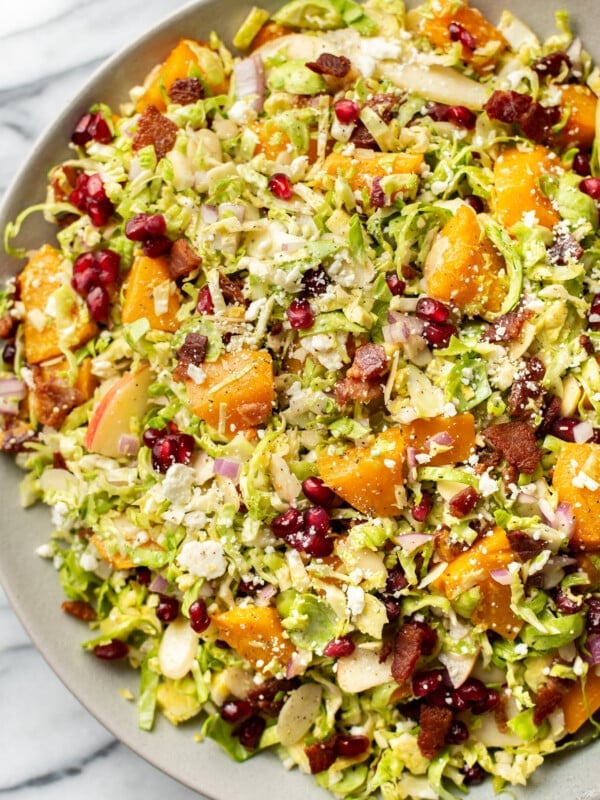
{"x": 565, "y": 248}
{"x": 363, "y": 138}
{"x": 232, "y": 289}
{"x": 186, "y": 90}
{"x": 527, "y": 392}
{"x": 155, "y": 129}
{"x": 8, "y": 325}
{"x": 321, "y": 755}
{"x": 269, "y": 696}
{"x": 516, "y": 442}
{"x": 412, "y": 640}
{"x": 552, "y": 412}
{"x": 182, "y": 259}
{"x": 508, "y": 327}
{"x": 53, "y": 399}
{"x": 369, "y": 362}
{"x": 523, "y": 546}
{"x": 329, "y": 64}
{"x": 15, "y": 436}
{"x": 193, "y": 349}
{"x": 348, "y": 389}
{"x": 548, "y": 699}
{"x": 79, "y": 609}
{"x": 435, "y": 724}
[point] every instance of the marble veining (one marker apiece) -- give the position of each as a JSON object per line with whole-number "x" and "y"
{"x": 51, "y": 748}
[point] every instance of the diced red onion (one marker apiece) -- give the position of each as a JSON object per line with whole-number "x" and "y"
{"x": 546, "y": 511}
{"x": 583, "y": 432}
{"x": 529, "y": 501}
{"x": 209, "y": 214}
{"x": 297, "y": 664}
{"x": 128, "y": 445}
{"x": 264, "y": 594}
{"x": 226, "y": 468}
{"x": 593, "y": 645}
{"x": 443, "y": 438}
{"x": 410, "y": 541}
{"x": 238, "y": 210}
{"x": 412, "y": 463}
{"x": 12, "y": 388}
{"x": 159, "y": 584}
{"x": 564, "y": 519}
{"x": 250, "y": 80}
{"x": 501, "y": 576}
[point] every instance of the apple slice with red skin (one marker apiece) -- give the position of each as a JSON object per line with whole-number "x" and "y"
{"x": 111, "y": 419}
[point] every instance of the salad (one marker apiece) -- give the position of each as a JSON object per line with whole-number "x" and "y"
{"x": 308, "y": 378}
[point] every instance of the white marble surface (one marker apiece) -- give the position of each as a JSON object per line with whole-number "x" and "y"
{"x": 50, "y": 747}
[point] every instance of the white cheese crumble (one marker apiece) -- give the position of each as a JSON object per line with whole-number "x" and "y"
{"x": 355, "y": 598}
{"x": 204, "y": 559}
{"x": 584, "y": 481}
{"x": 178, "y": 482}
{"x": 196, "y": 373}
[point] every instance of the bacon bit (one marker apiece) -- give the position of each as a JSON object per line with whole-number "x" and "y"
{"x": 508, "y": 327}
{"x": 516, "y": 442}
{"x": 15, "y": 436}
{"x": 551, "y": 414}
{"x": 523, "y": 546}
{"x": 58, "y": 460}
{"x": 79, "y": 609}
{"x": 565, "y": 248}
{"x": 447, "y": 548}
{"x": 182, "y": 259}
{"x": 184, "y": 91}
{"x": 412, "y": 640}
{"x": 269, "y": 696}
{"x": 232, "y": 290}
{"x": 155, "y": 129}
{"x": 329, "y": 64}
{"x": 435, "y": 724}
{"x": 362, "y": 137}
{"x": 8, "y": 325}
{"x": 548, "y": 699}
{"x": 348, "y": 389}
{"x": 526, "y": 393}
{"x": 53, "y": 399}
{"x": 321, "y": 755}
{"x": 193, "y": 349}
{"x": 369, "y": 362}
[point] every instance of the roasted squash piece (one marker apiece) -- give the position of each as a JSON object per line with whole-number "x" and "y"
{"x": 461, "y": 428}
{"x": 580, "y": 128}
{"x": 366, "y": 476}
{"x": 256, "y": 634}
{"x": 363, "y": 165}
{"x": 237, "y": 392}
{"x": 464, "y": 268}
{"x": 516, "y": 181}
{"x": 472, "y": 568}
{"x": 42, "y": 276}
{"x": 576, "y": 479}
{"x": 579, "y": 702}
{"x": 147, "y": 287}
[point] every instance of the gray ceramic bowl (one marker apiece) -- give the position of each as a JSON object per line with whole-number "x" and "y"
{"x": 31, "y": 583}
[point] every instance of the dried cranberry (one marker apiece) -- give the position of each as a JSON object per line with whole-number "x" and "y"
{"x": 594, "y": 315}
{"x": 592, "y": 623}
{"x": 250, "y": 731}
{"x": 315, "y": 490}
{"x": 432, "y": 310}
{"x": 321, "y": 755}
{"x": 347, "y": 111}
{"x": 98, "y": 303}
{"x": 566, "y": 605}
{"x": 205, "y": 301}
{"x": 378, "y": 198}
{"x": 168, "y": 608}
{"x": 338, "y": 648}
{"x": 396, "y": 580}
{"x": 395, "y": 284}
{"x": 462, "y": 117}
{"x": 472, "y": 691}
{"x": 427, "y": 682}
{"x": 290, "y": 523}
{"x": 143, "y": 576}
{"x": 281, "y": 186}
{"x": 438, "y": 334}
{"x": 464, "y": 502}
{"x": 393, "y": 608}
{"x": 581, "y": 163}
{"x": 475, "y": 202}
{"x": 199, "y": 618}
{"x": 473, "y": 775}
{"x": 421, "y": 510}
{"x": 315, "y": 281}
{"x": 9, "y": 352}
{"x": 458, "y": 33}
{"x": 236, "y": 711}
{"x": 591, "y": 186}
{"x": 153, "y": 248}
{"x": 551, "y": 65}
{"x": 111, "y": 651}
{"x": 491, "y": 701}
{"x": 507, "y": 106}
{"x": 300, "y": 315}
{"x": 564, "y": 428}
{"x": 458, "y": 732}
{"x": 351, "y": 746}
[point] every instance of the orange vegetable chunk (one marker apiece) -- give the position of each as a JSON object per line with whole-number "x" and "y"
{"x": 517, "y": 191}
{"x": 41, "y": 277}
{"x": 464, "y": 268}
{"x": 256, "y": 634}
{"x": 579, "y": 702}
{"x": 146, "y": 275}
{"x": 188, "y": 58}
{"x": 237, "y": 392}
{"x": 580, "y": 128}
{"x": 366, "y": 476}
{"x": 490, "y": 43}
{"x": 86, "y": 381}
{"x": 576, "y": 479}
{"x": 363, "y": 165}
{"x": 472, "y": 568}
{"x": 460, "y": 427}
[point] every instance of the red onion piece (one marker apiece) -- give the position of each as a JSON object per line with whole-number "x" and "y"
{"x": 250, "y": 80}
{"x": 583, "y": 432}
{"x": 593, "y": 646}
{"x": 12, "y": 388}
{"x": 297, "y": 664}
{"x": 443, "y": 438}
{"x": 209, "y": 214}
{"x": 501, "y": 576}
{"x": 226, "y": 468}
{"x": 564, "y": 519}
{"x": 529, "y": 501}
{"x": 412, "y": 463}
{"x": 128, "y": 445}
{"x": 410, "y": 541}
{"x": 159, "y": 584}
{"x": 546, "y": 511}
{"x": 238, "y": 211}
{"x": 264, "y": 594}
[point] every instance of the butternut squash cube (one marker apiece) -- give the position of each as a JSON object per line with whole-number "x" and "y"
{"x": 472, "y": 568}
{"x": 148, "y": 278}
{"x": 366, "y": 476}
{"x": 464, "y": 268}
{"x": 579, "y": 702}
{"x": 363, "y": 165}
{"x": 41, "y": 277}
{"x": 460, "y": 427}
{"x": 256, "y": 634}
{"x": 580, "y": 128}
{"x": 237, "y": 392}
{"x": 576, "y": 479}
{"x": 516, "y": 181}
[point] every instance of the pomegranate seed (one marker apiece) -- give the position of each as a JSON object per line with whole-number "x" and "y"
{"x": 98, "y": 303}
{"x": 564, "y": 428}
{"x": 593, "y": 615}
{"x": 458, "y": 732}
{"x": 566, "y": 605}
{"x": 594, "y": 315}
{"x": 151, "y": 435}
{"x": 316, "y": 545}
{"x": 426, "y": 683}
{"x": 84, "y": 280}
{"x": 98, "y": 213}
{"x": 461, "y": 117}
{"x": 396, "y": 580}
{"x": 421, "y": 510}
{"x": 315, "y": 281}
{"x": 591, "y": 186}
{"x": 81, "y": 133}
{"x": 250, "y": 731}
{"x": 199, "y": 617}
{"x": 9, "y": 352}
{"x": 155, "y": 225}
{"x": 315, "y": 490}
{"x": 473, "y": 775}
{"x": 378, "y": 198}
{"x": 395, "y": 284}
{"x": 143, "y": 576}
{"x": 91, "y": 126}
{"x": 300, "y": 315}
{"x": 351, "y": 746}
{"x": 205, "y": 302}
{"x": 581, "y": 164}
{"x": 475, "y": 202}
{"x": 281, "y": 186}
{"x": 95, "y": 189}
{"x": 393, "y": 608}
{"x": 432, "y": 310}
{"x": 172, "y": 449}
{"x": 551, "y": 65}
{"x": 135, "y": 228}
{"x": 185, "y": 447}
{"x": 458, "y": 33}
{"x": 153, "y": 248}
{"x": 236, "y": 711}
{"x": 316, "y": 520}
{"x": 338, "y": 648}
{"x": 472, "y": 691}
{"x": 83, "y": 262}
{"x": 112, "y": 651}
{"x": 347, "y": 111}
{"x": 290, "y": 523}
{"x": 167, "y": 609}
{"x": 437, "y": 111}
{"x": 107, "y": 263}
{"x": 438, "y": 334}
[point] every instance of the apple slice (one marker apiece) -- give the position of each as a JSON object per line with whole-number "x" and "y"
{"x": 111, "y": 419}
